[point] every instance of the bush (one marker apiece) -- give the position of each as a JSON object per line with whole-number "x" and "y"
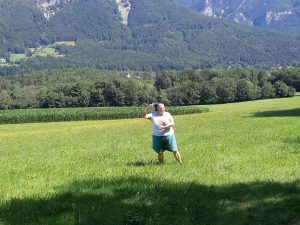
{"x": 282, "y": 90}
{"x": 268, "y": 91}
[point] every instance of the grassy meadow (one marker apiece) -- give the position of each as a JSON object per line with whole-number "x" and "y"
{"x": 39, "y": 51}
{"x": 241, "y": 165}
{"x": 14, "y": 57}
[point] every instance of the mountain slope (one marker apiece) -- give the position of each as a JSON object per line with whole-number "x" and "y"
{"x": 158, "y": 35}
{"x": 281, "y": 15}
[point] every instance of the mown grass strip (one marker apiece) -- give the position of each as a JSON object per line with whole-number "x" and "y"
{"x": 78, "y": 114}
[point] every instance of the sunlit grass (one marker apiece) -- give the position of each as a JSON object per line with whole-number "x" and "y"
{"x": 17, "y": 57}
{"x": 45, "y": 51}
{"x": 241, "y": 165}
{"x": 67, "y": 43}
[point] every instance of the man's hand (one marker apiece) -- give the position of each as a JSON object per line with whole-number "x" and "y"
{"x": 147, "y": 110}
{"x": 162, "y": 126}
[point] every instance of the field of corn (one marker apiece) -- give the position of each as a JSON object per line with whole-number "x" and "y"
{"x": 77, "y": 114}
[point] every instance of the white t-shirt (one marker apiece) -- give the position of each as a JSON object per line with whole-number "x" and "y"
{"x": 158, "y": 120}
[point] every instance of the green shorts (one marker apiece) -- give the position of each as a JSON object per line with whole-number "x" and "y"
{"x": 162, "y": 143}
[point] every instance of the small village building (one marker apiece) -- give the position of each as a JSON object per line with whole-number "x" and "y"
{"x": 2, "y": 60}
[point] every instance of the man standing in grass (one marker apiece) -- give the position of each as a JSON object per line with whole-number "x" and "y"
{"x": 163, "y": 133}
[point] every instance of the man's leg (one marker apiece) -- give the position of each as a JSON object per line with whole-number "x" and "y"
{"x": 160, "y": 157}
{"x": 177, "y": 156}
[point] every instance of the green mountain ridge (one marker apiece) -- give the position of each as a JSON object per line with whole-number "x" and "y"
{"x": 159, "y": 35}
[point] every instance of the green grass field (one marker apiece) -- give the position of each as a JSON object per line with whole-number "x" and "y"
{"x": 42, "y": 51}
{"x": 241, "y": 165}
{"x": 45, "y": 51}
{"x": 67, "y": 43}
{"x": 17, "y": 57}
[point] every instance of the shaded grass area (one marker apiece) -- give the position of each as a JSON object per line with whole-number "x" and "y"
{"x": 136, "y": 200}
{"x": 279, "y": 113}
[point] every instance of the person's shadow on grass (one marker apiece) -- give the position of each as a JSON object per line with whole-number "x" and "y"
{"x": 142, "y": 163}
{"x": 137, "y": 201}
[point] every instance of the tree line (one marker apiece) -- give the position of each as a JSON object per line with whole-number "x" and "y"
{"x": 223, "y": 86}
{"x": 93, "y": 88}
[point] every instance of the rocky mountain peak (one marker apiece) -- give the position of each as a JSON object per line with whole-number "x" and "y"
{"x": 50, "y": 7}
{"x": 124, "y": 8}
{"x": 276, "y": 16}
{"x": 251, "y": 12}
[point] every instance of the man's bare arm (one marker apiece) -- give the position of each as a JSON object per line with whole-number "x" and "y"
{"x": 147, "y": 111}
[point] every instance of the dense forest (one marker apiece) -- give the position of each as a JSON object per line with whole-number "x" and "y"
{"x": 93, "y": 88}
{"x": 160, "y": 35}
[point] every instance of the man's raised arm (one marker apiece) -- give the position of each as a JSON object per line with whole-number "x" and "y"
{"x": 147, "y": 111}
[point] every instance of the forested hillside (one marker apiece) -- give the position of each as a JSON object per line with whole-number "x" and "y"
{"x": 159, "y": 35}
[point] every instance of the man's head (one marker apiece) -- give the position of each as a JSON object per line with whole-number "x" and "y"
{"x": 160, "y": 108}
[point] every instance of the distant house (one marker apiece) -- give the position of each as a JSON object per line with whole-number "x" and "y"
{"x": 2, "y": 60}
{"x": 126, "y": 74}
